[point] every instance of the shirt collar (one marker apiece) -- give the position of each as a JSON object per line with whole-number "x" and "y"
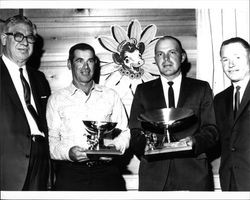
{"x": 243, "y": 84}
{"x": 96, "y": 87}
{"x": 176, "y": 80}
{"x": 11, "y": 65}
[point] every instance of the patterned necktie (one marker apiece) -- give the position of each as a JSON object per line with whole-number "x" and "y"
{"x": 236, "y": 100}
{"x": 171, "y": 103}
{"x": 27, "y": 95}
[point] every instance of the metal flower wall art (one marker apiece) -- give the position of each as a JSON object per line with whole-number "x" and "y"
{"x": 132, "y": 58}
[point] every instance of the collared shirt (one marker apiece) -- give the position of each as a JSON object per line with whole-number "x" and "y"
{"x": 176, "y": 87}
{"x": 243, "y": 84}
{"x": 15, "y": 76}
{"x": 68, "y": 107}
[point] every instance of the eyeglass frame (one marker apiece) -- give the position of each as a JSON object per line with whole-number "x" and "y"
{"x": 23, "y": 36}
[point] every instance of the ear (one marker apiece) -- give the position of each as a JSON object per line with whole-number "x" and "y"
{"x": 69, "y": 64}
{"x": 117, "y": 58}
{"x": 183, "y": 57}
{"x": 3, "y": 39}
{"x": 141, "y": 47}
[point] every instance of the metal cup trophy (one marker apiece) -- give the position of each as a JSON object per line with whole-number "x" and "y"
{"x": 98, "y": 131}
{"x": 159, "y": 129}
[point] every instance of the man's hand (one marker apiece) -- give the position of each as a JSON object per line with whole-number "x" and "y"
{"x": 77, "y": 154}
{"x": 117, "y": 143}
{"x": 188, "y": 140}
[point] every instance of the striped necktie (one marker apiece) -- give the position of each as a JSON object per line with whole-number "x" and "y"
{"x": 27, "y": 96}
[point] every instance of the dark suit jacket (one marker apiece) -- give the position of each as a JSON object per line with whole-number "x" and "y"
{"x": 234, "y": 138}
{"x": 14, "y": 128}
{"x": 189, "y": 171}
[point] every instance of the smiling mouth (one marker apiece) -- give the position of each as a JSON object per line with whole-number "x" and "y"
{"x": 85, "y": 72}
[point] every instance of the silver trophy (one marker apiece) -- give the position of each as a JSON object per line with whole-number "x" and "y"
{"x": 163, "y": 128}
{"x": 98, "y": 131}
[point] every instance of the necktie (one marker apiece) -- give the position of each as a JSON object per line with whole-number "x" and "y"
{"x": 236, "y": 100}
{"x": 171, "y": 103}
{"x": 27, "y": 95}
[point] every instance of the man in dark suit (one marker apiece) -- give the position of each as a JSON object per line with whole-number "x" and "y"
{"x": 232, "y": 109}
{"x": 24, "y": 93}
{"x": 190, "y": 170}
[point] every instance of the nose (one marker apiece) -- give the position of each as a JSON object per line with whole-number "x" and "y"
{"x": 85, "y": 65}
{"x": 166, "y": 57}
{"x": 25, "y": 41}
{"x": 231, "y": 63}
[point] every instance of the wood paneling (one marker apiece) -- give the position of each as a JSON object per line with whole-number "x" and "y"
{"x": 62, "y": 28}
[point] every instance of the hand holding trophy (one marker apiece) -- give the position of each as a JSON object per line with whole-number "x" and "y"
{"x": 157, "y": 125}
{"x": 99, "y": 131}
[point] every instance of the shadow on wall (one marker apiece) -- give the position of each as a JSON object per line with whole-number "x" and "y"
{"x": 38, "y": 51}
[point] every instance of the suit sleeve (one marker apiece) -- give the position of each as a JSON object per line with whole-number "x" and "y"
{"x": 207, "y": 136}
{"x": 138, "y": 140}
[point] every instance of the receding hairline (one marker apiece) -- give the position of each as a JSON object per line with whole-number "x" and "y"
{"x": 169, "y": 38}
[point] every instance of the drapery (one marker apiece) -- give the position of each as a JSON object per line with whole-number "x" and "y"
{"x": 213, "y": 27}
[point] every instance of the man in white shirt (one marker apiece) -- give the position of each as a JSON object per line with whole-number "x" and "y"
{"x": 190, "y": 170}
{"x": 82, "y": 100}
{"x": 232, "y": 108}
{"x": 24, "y": 94}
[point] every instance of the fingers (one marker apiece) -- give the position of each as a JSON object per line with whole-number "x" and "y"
{"x": 77, "y": 153}
{"x": 188, "y": 140}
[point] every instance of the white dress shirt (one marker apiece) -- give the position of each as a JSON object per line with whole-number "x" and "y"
{"x": 15, "y": 76}
{"x": 243, "y": 84}
{"x": 68, "y": 107}
{"x": 176, "y": 87}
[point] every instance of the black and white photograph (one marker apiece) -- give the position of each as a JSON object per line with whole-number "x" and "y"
{"x": 125, "y": 99}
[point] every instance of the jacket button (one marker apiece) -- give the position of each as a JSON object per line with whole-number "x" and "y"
{"x": 233, "y": 149}
{"x": 27, "y": 155}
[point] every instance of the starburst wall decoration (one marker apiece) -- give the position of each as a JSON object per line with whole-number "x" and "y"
{"x": 131, "y": 60}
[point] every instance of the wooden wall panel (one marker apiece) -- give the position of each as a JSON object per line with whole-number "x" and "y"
{"x": 62, "y": 28}
{"x": 59, "y": 29}
{"x": 4, "y": 14}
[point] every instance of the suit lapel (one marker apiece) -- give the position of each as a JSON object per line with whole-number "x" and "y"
{"x": 229, "y": 105}
{"x": 9, "y": 85}
{"x": 184, "y": 92}
{"x": 33, "y": 89}
{"x": 244, "y": 101}
{"x": 159, "y": 97}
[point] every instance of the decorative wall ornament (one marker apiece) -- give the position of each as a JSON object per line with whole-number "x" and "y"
{"x": 132, "y": 58}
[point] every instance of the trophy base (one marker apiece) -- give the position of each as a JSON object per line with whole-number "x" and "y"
{"x": 169, "y": 148}
{"x": 104, "y": 152}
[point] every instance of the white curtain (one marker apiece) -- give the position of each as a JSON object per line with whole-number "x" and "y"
{"x": 213, "y": 27}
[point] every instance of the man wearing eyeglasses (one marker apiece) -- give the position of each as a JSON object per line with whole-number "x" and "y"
{"x": 84, "y": 100}
{"x": 24, "y": 94}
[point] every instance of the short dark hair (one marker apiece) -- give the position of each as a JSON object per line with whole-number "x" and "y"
{"x": 80, "y": 46}
{"x": 243, "y": 42}
{"x": 172, "y": 38}
{"x": 16, "y": 20}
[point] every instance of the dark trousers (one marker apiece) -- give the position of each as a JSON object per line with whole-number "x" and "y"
{"x": 38, "y": 171}
{"x": 232, "y": 184}
{"x": 73, "y": 176}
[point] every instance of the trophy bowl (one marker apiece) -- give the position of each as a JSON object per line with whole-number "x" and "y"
{"x": 161, "y": 126}
{"x": 98, "y": 132}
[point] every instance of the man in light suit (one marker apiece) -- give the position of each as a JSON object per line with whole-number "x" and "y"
{"x": 233, "y": 118}
{"x": 24, "y": 93}
{"x": 191, "y": 170}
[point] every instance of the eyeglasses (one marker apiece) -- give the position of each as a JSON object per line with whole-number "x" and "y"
{"x": 18, "y": 37}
